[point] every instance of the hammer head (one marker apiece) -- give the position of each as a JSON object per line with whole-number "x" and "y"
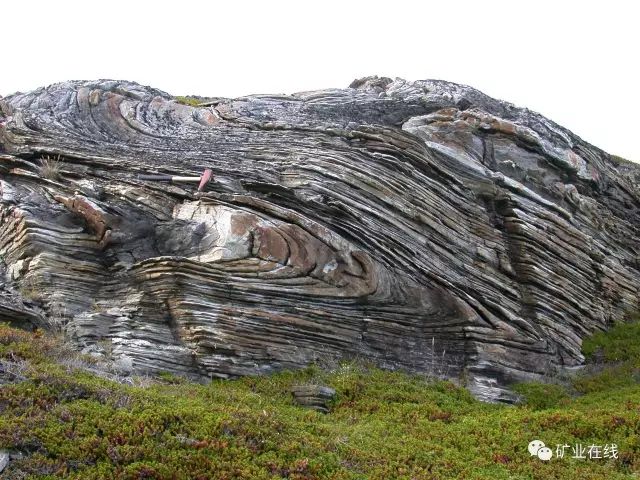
{"x": 205, "y": 178}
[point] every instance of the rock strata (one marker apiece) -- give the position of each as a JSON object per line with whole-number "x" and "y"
{"x": 420, "y": 225}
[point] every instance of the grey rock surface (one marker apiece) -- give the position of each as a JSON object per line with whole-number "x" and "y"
{"x": 316, "y": 397}
{"x": 4, "y": 460}
{"x": 420, "y": 225}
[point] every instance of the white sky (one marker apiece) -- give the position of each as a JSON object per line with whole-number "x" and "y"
{"x": 575, "y": 62}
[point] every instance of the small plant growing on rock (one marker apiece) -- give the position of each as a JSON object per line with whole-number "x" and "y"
{"x": 29, "y": 289}
{"x": 50, "y": 167}
{"x": 57, "y": 316}
{"x": 188, "y": 100}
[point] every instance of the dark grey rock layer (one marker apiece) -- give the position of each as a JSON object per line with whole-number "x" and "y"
{"x": 422, "y": 225}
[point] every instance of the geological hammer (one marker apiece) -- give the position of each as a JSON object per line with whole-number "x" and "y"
{"x": 203, "y": 179}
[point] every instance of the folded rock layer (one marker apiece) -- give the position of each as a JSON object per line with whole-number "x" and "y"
{"x": 419, "y": 225}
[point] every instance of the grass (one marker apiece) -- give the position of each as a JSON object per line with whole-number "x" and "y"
{"x": 621, "y": 343}
{"x": 188, "y": 100}
{"x": 192, "y": 101}
{"x": 383, "y": 425}
{"x": 50, "y": 167}
{"x": 613, "y": 363}
{"x": 540, "y": 396}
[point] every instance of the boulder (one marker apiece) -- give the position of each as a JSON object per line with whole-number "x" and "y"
{"x": 316, "y": 397}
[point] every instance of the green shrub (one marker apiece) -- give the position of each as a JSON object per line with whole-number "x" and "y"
{"x": 541, "y": 396}
{"x": 187, "y": 100}
{"x": 615, "y": 354}
{"x": 609, "y": 378}
{"x": 618, "y": 344}
{"x": 171, "y": 378}
{"x": 383, "y": 425}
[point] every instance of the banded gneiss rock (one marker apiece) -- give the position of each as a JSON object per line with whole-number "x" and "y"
{"x": 421, "y": 225}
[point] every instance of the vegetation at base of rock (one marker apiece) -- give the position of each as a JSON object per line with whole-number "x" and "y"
{"x": 69, "y": 423}
{"x": 615, "y": 358}
{"x": 620, "y": 343}
{"x": 540, "y": 396}
{"x": 613, "y": 362}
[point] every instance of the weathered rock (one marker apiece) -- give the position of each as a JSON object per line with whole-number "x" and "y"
{"x": 4, "y": 460}
{"x": 421, "y": 225}
{"x": 17, "y": 312}
{"x": 316, "y": 397}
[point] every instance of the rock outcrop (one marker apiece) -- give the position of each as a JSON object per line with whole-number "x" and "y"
{"x": 421, "y": 225}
